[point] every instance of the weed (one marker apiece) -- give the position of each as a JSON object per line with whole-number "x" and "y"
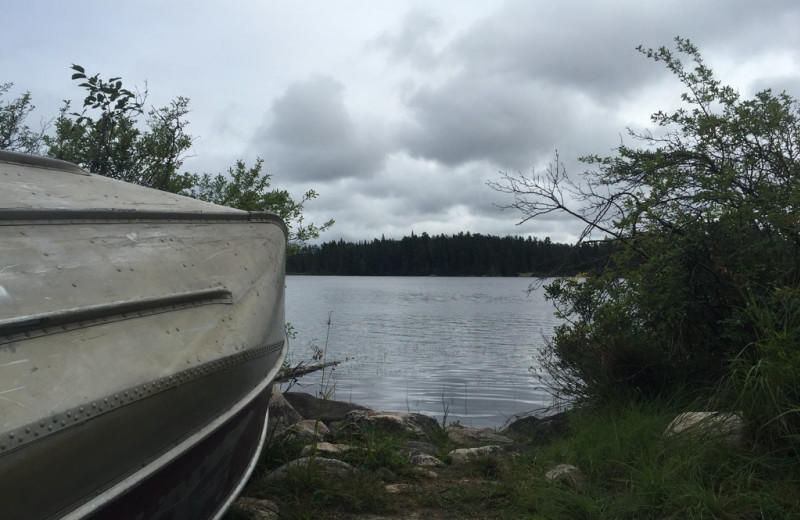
{"x": 631, "y": 473}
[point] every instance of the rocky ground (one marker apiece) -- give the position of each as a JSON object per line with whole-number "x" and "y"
{"x": 438, "y": 460}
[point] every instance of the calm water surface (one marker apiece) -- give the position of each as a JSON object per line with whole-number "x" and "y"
{"x": 455, "y": 346}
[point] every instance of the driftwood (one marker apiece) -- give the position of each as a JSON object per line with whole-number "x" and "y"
{"x": 291, "y": 373}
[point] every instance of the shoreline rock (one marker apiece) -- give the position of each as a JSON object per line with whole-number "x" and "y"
{"x": 297, "y": 416}
{"x": 311, "y": 407}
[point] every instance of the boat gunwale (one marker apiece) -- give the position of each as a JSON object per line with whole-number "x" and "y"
{"x": 39, "y": 161}
{"x": 18, "y": 216}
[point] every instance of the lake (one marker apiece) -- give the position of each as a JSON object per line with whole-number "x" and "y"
{"x": 455, "y": 347}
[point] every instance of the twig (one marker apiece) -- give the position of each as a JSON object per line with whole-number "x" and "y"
{"x": 292, "y": 373}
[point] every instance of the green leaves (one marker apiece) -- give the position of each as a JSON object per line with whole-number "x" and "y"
{"x": 80, "y": 72}
{"x": 249, "y": 189}
{"x": 15, "y": 134}
{"x": 703, "y": 212}
{"x": 108, "y": 138}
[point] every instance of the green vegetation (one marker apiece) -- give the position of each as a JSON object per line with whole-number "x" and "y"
{"x": 310, "y": 493}
{"x": 702, "y": 296}
{"x": 704, "y": 283}
{"x": 463, "y": 254}
{"x": 633, "y": 472}
{"x": 15, "y": 134}
{"x": 106, "y": 137}
{"x": 630, "y": 471}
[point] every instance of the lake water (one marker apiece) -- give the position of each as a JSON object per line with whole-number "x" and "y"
{"x": 460, "y": 347}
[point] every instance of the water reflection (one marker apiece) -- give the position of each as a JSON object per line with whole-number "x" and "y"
{"x": 455, "y": 346}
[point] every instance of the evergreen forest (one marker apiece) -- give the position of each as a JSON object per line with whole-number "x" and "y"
{"x": 464, "y": 254}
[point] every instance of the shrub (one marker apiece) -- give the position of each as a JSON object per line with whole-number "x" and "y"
{"x": 703, "y": 216}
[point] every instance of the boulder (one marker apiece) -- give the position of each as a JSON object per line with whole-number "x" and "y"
{"x": 398, "y": 422}
{"x": 281, "y": 414}
{"x": 421, "y": 447}
{"x": 424, "y": 473}
{"x": 422, "y": 454}
{"x": 464, "y": 455}
{"x": 308, "y": 431}
{"x": 325, "y": 410}
{"x": 539, "y": 430}
{"x": 258, "y": 509}
{"x": 331, "y": 467}
{"x": 324, "y": 448}
{"x": 465, "y": 436}
{"x": 567, "y": 474}
{"x": 394, "y": 489}
{"x": 726, "y": 426}
{"x": 424, "y": 460}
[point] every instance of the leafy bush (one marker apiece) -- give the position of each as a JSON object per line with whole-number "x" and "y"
{"x": 704, "y": 217}
{"x": 764, "y": 382}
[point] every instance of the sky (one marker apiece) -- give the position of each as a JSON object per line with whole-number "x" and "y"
{"x": 398, "y": 113}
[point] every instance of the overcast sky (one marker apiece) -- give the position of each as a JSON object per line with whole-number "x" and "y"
{"x": 398, "y": 112}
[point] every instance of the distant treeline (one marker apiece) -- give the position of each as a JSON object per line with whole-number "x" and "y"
{"x": 463, "y": 254}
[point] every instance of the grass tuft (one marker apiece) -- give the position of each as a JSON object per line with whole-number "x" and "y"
{"x": 630, "y": 472}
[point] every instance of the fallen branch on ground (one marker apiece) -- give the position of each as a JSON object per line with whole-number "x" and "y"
{"x": 292, "y": 373}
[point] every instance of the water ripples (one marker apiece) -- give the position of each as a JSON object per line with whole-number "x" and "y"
{"x": 460, "y": 347}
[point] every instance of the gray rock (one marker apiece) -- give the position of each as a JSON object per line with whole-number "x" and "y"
{"x": 324, "y": 448}
{"x": 399, "y": 422}
{"x": 331, "y": 467}
{"x": 394, "y": 489}
{"x": 464, "y": 436}
{"x": 421, "y": 447}
{"x": 326, "y": 410}
{"x": 410, "y": 515}
{"x": 464, "y": 455}
{"x": 726, "y": 426}
{"x": 308, "y": 430}
{"x": 424, "y": 473}
{"x": 422, "y": 454}
{"x": 567, "y": 474}
{"x": 424, "y": 460}
{"x": 281, "y": 414}
{"x": 258, "y": 509}
{"x": 539, "y": 430}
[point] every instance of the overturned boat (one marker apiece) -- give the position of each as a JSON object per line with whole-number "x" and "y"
{"x": 140, "y": 332}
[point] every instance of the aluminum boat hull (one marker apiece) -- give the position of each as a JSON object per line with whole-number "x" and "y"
{"x": 140, "y": 332}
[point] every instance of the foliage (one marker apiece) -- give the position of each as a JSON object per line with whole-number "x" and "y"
{"x": 630, "y": 472}
{"x": 764, "y": 383}
{"x": 15, "y": 134}
{"x": 704, "y": 214}
{"x": 106, "y": 137}
{"x": 464, "y": 254}
{"x": 249, "y": 189}
{"x": 162, "y": 149}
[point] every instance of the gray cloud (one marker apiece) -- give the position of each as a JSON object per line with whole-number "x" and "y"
{"x": 399, "y": 115}
{"x": 534, "y": 77}
{"x": 310, "y": 135}
{"x": 413, "y": 41}
{"x": 511, "y": 125}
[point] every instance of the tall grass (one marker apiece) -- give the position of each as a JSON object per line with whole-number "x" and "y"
{"x": 764, "y": 382}
{"x": 633, "y": 472}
